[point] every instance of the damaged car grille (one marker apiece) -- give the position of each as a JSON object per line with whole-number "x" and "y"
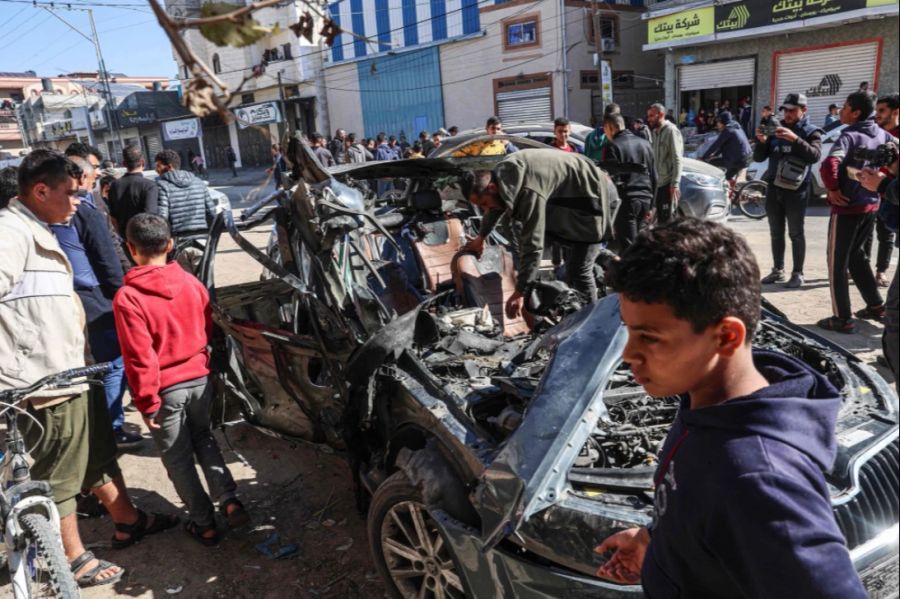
{"x": 875, "y": 507}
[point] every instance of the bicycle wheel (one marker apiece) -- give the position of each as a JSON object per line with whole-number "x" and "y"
{"x": 49, "y": 570}
{"x": 752, "y": 199}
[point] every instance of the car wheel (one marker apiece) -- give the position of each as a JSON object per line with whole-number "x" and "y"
{"x": 410, "y": 551}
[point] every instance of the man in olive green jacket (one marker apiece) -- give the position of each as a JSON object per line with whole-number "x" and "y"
{"x": 668, "y": 150}
{"x": 548, "y": 193}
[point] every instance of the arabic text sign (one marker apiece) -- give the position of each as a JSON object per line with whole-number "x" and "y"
{"x": 761, "y": 13}
{"x": 257, "y": 114}
{"x": 682, "y": 25}
{"x": 181, "y": 129}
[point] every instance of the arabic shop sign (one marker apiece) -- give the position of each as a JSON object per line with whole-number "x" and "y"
{"x": 181, "y": 129}
{"x": 681, "y": 25}
{"x": 762, "y": 13}
{"x": 257, "y": 114}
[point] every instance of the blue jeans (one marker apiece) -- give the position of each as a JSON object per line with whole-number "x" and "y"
{"x": 105, "y": 348}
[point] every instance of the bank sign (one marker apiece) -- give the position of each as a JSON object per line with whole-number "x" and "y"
{"x": 749, "y": 14}
{"x": 257, "y": 114}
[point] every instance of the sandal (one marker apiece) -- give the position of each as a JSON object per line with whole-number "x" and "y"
{"x": 238, "y": 516}
{"x": 90, "y": 578}
{"x": 875, "y": 313}
{"x": 197, "y": 532}
{"x": 139, "y": 529}
{"x": 839, "y": 325}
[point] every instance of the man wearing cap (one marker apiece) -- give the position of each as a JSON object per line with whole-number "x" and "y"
{"x": 792, "y": 149}
{"x": 731, "y": 144}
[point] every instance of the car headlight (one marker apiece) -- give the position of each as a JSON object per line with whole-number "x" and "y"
{"x": 703, "y": 180}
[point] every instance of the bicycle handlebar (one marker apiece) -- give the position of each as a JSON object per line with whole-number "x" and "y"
{"x": 58, "y": 379}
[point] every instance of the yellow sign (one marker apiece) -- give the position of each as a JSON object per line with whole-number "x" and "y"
{"x": 871, "y": 3}
{"x": 682, "y": 25}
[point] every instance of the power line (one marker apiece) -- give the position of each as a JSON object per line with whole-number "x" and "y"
{"x": 24, "y": 33}
{"x": 12, "y": 18}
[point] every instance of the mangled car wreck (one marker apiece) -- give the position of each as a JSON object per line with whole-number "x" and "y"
{"x": 493, "y": 455}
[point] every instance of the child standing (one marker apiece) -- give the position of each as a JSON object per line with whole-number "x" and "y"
{"x": 164, "y": 321}
{"x": 741, "y": 505}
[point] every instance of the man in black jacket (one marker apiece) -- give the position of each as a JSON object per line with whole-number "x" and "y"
{"x": 636, "y": 190}
{"x": 185, "y": 202}
{"x": 798, "y": 141}
{"x": 133, "y": 193}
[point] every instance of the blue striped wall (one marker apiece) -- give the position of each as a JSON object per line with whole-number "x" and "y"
{"x": 401, "y": 93}
{"x": 398, "y": 24}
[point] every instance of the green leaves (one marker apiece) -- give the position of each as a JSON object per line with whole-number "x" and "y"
{"x": 238, "y": 32}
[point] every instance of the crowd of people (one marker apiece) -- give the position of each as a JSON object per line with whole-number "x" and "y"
{"x": 85, "y": 250}
{"x": 86, "y": 275}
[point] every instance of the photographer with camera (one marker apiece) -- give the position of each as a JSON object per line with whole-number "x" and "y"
{"x": 887, "y": 115}
{"x": 853, "y": 209}
{"x": 792, "y": 147}
{"x": 884, "y": 181}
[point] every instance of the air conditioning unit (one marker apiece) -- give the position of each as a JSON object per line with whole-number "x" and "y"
{"x": 608, "y": 45}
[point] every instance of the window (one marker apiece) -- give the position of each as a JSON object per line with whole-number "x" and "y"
{"x": 248, "y": 98}
{"x": 291, "y": 91}
{"x": 217, "y": 64}
{"x": 523, "y": 32}
{"x": 286, "y": 51}
{"x": 590, "y": 79}
{"x": 609, "y": 28}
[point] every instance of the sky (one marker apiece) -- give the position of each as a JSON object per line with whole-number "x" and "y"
{"x": 132, "y": 41}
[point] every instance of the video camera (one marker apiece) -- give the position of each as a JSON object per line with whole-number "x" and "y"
{"x": 769, "y": 130}
{"x": 883, "y": 155}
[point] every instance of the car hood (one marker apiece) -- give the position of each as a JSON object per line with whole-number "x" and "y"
{"x": 696, "y": 166}
{"x": 529, "y": 472}
{"x": 525, "y": 476}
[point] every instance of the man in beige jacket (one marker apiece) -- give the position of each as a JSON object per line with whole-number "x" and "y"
{"x": 41, "y": 323}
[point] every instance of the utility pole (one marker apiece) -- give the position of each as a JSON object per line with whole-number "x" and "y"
{"x": 565, "y": 57}
{"x": 94, "y": 39}
{"x": 598, "y": 46}
{"x": 284, "y": 115}
{"x": 104, "y": 79}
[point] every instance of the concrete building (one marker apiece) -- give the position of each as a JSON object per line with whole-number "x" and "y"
{"x": 410, "y": 66}
{"x": 287, "y": 93}
{"x": 766, "y": 49}
{"x": 17, "y": 89}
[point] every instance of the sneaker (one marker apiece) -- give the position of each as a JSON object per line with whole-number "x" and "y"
{"x": 796, "y": 281}
{"x": 838, "y": 325}
{"x": 124, "y": 439}
{"x": 881, "y": 279}
{"x": 776, "y": 276}
{"x": 875, "y": 313}
{"x": 130, "y": 407}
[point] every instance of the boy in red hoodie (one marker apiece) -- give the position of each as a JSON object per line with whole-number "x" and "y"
{"x": 164, "y": 322}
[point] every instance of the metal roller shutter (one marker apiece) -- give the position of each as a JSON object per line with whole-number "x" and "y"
{"x": 527, "y": 105}
{"x": 154, "y": 144}
{"x": 713, "y": 75}
{"x": 826, "y": 76}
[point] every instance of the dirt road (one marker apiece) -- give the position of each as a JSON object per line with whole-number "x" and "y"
{"x": 305, "y": 495}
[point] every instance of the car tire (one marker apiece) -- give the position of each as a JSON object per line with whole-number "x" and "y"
{"x": 409, "y": 549}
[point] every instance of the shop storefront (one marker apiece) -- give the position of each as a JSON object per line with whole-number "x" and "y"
{"x": 764, "y": 50}
{"x": 183, "y": 136}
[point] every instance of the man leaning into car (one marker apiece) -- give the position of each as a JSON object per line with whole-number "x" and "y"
{"x": 552, "y": 194}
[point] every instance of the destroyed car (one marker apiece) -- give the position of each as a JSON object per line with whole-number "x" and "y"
{"x": 492, "y": 456}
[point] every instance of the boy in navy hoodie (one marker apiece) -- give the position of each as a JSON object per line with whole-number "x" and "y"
{"x": 741, "y": 505}
{"x": 164, "y": 320}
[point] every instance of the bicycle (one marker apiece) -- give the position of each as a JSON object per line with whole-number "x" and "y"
{"x": 30, "y": 519}
{"x": 749, "y": 197}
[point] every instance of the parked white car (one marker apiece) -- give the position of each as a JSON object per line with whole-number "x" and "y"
{"x": 756, "y": 170}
